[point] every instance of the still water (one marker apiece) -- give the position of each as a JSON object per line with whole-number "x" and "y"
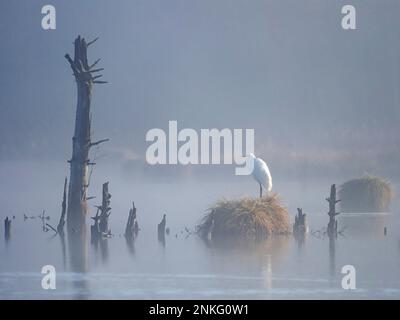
{"x": 186, "y": 267}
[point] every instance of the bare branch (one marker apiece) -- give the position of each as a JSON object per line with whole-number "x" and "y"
{"x": 96, "y": 70}
{"x": 71, "y": 62}
{"x": 52, "y": 228}
{"x": 93, "y": 41}
{"x": 95, "y": 63}
{"x": 98, "y": 142}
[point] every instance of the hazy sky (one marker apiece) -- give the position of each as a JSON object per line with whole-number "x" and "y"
{"x": 313, "y": 92}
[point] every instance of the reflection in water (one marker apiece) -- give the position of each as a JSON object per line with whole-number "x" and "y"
{"x": 360, "y": 224}
{"x": 300, "y": 238}
{"x": 276, "y": 245}
{"x": 81, "y": 287}
{"x": 63, "y": 250}
{"x": 104, "y": 249}
{"x": 130, "y": 243}
{"x": 266, "y": 272}
{"x": 78, "y": 254}
{"x": 256, "y": 257}
{"x": 161, "y": 240}
{"x": 332, "y": 256}
{"x": 274, "y": 268}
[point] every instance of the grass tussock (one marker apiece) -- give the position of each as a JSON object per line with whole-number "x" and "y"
{"x": 366, "y": 194}
{"x": 247, "y": 218}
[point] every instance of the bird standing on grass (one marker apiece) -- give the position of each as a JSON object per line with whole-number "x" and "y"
{"x": 261, "y": 173}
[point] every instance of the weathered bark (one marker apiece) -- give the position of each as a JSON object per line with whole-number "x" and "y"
{"x": 81, "y": 141}
{"x": 332, "y": 225}
{"x": 61, "y": 223}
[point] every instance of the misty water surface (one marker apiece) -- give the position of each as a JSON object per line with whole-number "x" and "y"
{"x": 186, "y": 268}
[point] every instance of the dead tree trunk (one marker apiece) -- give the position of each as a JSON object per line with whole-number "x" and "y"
{"x": 81, "y": 141}
{"x": 130, "y": 229}
{"x": 94, "y": 229}
{"x": 7, "y": 229}
{"x": 161, "y": 229}
{"x": 61, "y": 223}
{"x": 300, "y": 227}
{"x": 300, "y": 222}
{"x": 105, "y": 211}
{"x": 332, "y": 225}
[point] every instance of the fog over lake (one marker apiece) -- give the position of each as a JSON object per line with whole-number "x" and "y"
{"x": 323, "y": 103}
{"x": 187, "y": 268}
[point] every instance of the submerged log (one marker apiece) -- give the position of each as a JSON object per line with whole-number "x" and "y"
{"x": 332, "y": 225}
{"x": 7, "y": 229}
{"x": 81, "y": 141}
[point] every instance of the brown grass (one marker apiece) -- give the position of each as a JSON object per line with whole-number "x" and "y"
{"x": 247, "y": 218}
{"x": 366, "y": 194}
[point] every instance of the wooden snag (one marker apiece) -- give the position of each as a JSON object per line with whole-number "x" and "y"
{"x": 332, "y": 224}
{"x": 161, "y": 229}
{"x": 132, "y": 227}
{"x": 7, "y": 229}
{"x": 85, "y": 76}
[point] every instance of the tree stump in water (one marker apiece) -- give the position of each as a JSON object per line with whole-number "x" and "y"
{"x": 7, "y": 229}
{"x": 300, "y": 222}
{"x": 105, "y": 211}
{"x": 161, "y": 229}
{"x": 131, "y": 224}
{"x": 94, "y": 229}
{"x": 332, "y": 225}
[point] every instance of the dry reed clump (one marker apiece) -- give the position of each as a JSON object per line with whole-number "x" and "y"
{"x": 366, "y": 194}
{"x": 247, "y": 218}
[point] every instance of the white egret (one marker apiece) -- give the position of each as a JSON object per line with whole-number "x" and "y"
{"x": 261, "y": 173}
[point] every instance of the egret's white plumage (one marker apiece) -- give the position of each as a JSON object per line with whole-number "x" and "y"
{"x": 261, "y": 173}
